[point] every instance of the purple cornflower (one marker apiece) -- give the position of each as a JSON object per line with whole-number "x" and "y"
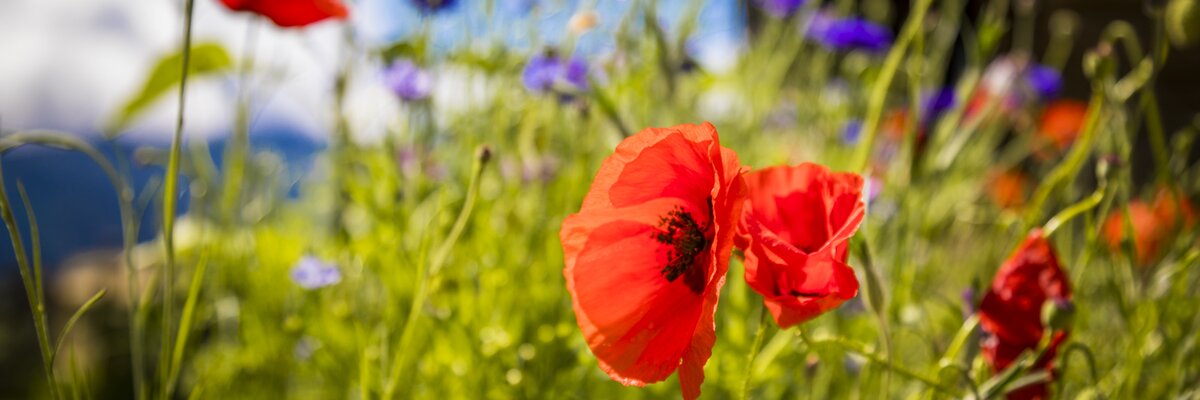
{"x": 407, "y": 80}
{"x": 935, "y": 104}
{"x": 433, "y": 6}
{"x": 780, "y": 8}
{"x": 1046, "y": 82}
{"x": 546, "y": 72}
{"x": 849, "y": 33}
{"x": 312, "y": 273}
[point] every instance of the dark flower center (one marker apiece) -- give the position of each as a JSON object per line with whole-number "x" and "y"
{"x": 685, "y": 240}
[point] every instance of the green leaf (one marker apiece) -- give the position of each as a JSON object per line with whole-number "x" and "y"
{"x": 206, "y": 59}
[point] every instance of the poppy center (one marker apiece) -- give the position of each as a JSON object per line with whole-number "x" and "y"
{"x": 686, "y": 239}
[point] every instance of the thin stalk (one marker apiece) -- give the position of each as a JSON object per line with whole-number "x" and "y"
{"x": 483, "y": 154}
{"x": 764, "y": 322}
{"x": 1069, "y": 167}
{"x": 185, "y": 322}
{"x": 895, "y": 56}
{"x": 1073, "y": 211}
{"x": 170, "y": 187}
{"x": 129, "y": 226}
{"x": 235, "y": 155}
{"x": 860, "y": 349}
{"x": 66, "y": 331}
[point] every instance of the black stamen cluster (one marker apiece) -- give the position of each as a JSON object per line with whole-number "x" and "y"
{"x": 686, "y": 240}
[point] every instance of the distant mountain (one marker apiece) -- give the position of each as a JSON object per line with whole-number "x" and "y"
{"x": 76, "y": 206}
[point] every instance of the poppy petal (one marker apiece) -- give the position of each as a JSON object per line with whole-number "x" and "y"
{"x": 659, "y": 162}
{"x": 637, "y": 322}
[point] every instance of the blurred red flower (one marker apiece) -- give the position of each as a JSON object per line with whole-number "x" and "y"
{"x": 291, "y": 13}
{"x": 647, "y": 253}
{"x": 795, "y": 233}
{"x": 1011, "y": 311}
{"x": 1061, "y": 122}
{"x": 1153, "y": 225}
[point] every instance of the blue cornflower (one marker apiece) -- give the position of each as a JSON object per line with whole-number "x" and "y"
{"x": 935, "y": 104}
{"x": 780, "y": 8}
{"x": 849, "y": 33}
{"x": 407, "y": 80}
{"x": 1045, "y": 81}
{"x": 312, "y": 273}
{"x": 851, "y": 131}
{"x": 433, "y": 6}
{"x": 546, "y": 72}
{"x": 576, "y": 74}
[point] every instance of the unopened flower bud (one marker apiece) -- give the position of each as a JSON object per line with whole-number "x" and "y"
{"x": 1058, "y": 314}
{"x": 484, "y": 153}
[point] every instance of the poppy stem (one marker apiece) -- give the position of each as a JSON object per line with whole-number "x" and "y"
{"x": 763, "y": 325}
{"x": 1073, "y": 211}
{"x": 1087, "y": 356}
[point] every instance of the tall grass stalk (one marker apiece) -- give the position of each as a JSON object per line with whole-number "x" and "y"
{"x": 170, "y": 196}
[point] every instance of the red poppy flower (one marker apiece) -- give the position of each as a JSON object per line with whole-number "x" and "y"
{"x": 1011, "y": 310}
{"x": 291, "y": 13}
{"x": 1061, "y": 122}
{"x": 647, "y": 253}
{"x": 1153, "y": 225}
{"x": 795, "y": 233}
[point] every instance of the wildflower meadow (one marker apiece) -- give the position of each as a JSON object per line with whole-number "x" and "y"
{"x": 560, "y": 199}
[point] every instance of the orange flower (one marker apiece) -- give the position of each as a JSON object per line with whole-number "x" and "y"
{"x": 795, "y": 232}
{"x": 1153, "y": 226}
{"x": 1062, "y": 121}
{"x": 646, "y": 255}
{"x": 1008, "y": 189}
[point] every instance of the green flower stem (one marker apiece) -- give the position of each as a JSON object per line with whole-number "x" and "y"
{"x": 912, "y": 28}
{"x": 424, "y": 278}
{"x": 170, "y": 186}
{"x": 1087, "y": 356}
{"x": 1073, "y": 211}
{"x": 764, "y": 323}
